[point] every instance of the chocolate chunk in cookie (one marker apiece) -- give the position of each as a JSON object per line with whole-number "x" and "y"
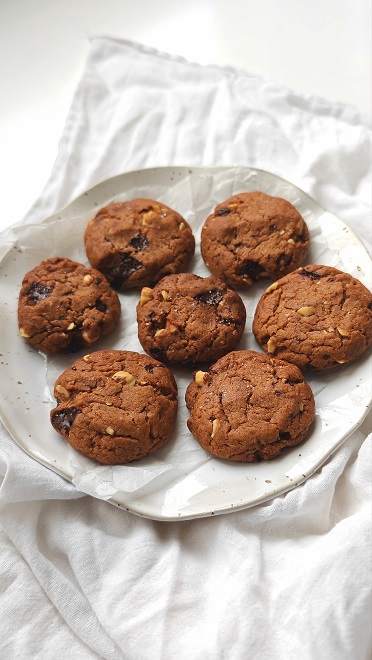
{"x": 317, "y": 317}
{"x": 249, "y": 407}
{"x": 115, "y": 406}
{"x": 136, "y": 243}
{"x": 64, "y": 306}
{"x": 186, "y": 319}
{"x": 253, "y": 235}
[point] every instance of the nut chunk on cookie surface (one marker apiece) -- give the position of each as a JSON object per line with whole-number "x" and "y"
{"x": 317, "y": 317}
{"x": 187, "y": 319}
{"x": 64, "y": 306}
{"x": 115, "y": 406}
{"x": 253, "y": 235}
{"x": 248, "y": 407}
{"x": 135, "y": 243}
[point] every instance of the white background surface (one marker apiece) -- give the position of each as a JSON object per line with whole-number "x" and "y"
{"x": 320, "y": 48}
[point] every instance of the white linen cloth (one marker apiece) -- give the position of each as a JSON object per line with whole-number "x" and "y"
{"x": 289, "y": 579}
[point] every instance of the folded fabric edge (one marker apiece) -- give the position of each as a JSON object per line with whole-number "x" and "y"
{"x": 317, "y": 102}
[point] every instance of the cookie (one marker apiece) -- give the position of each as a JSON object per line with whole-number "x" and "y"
{"x": 186, "y": 319}
{"x": 253, "y": 235}
{"x": 249, "y": 407}
{"x": 64, "y": 306}
{"x": 136, "y": 243}
{"x": 317, "y": 317}
{"x": 115, "y": 406}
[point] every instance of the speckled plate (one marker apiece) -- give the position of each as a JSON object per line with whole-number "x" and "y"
{"x": 180, "y": 481}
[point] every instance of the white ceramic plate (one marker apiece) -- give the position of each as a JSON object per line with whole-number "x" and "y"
{"x": 180, "y": 481}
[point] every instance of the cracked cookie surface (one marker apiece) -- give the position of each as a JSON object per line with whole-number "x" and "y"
{"x": 64, "y": 306}
{"x": 115, "y": 406}
{"x": 249, "y": 407}
{"x": 136, "y": 243}
{"x": 186, "y": 319}
{"x": 253, "y": 235}
{"x": 317, "y": 317}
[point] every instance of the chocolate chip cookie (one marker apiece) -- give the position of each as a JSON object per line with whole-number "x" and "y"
{"x": 253, "y": 235}
{"x": 115, "y": 406}
{"x": 186, "y": 319}
{"x": 249, "y": 407}
{"x": 136, "y": 243}
{"x": 317, "y": 317}
{"x": 64, "y": 306}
